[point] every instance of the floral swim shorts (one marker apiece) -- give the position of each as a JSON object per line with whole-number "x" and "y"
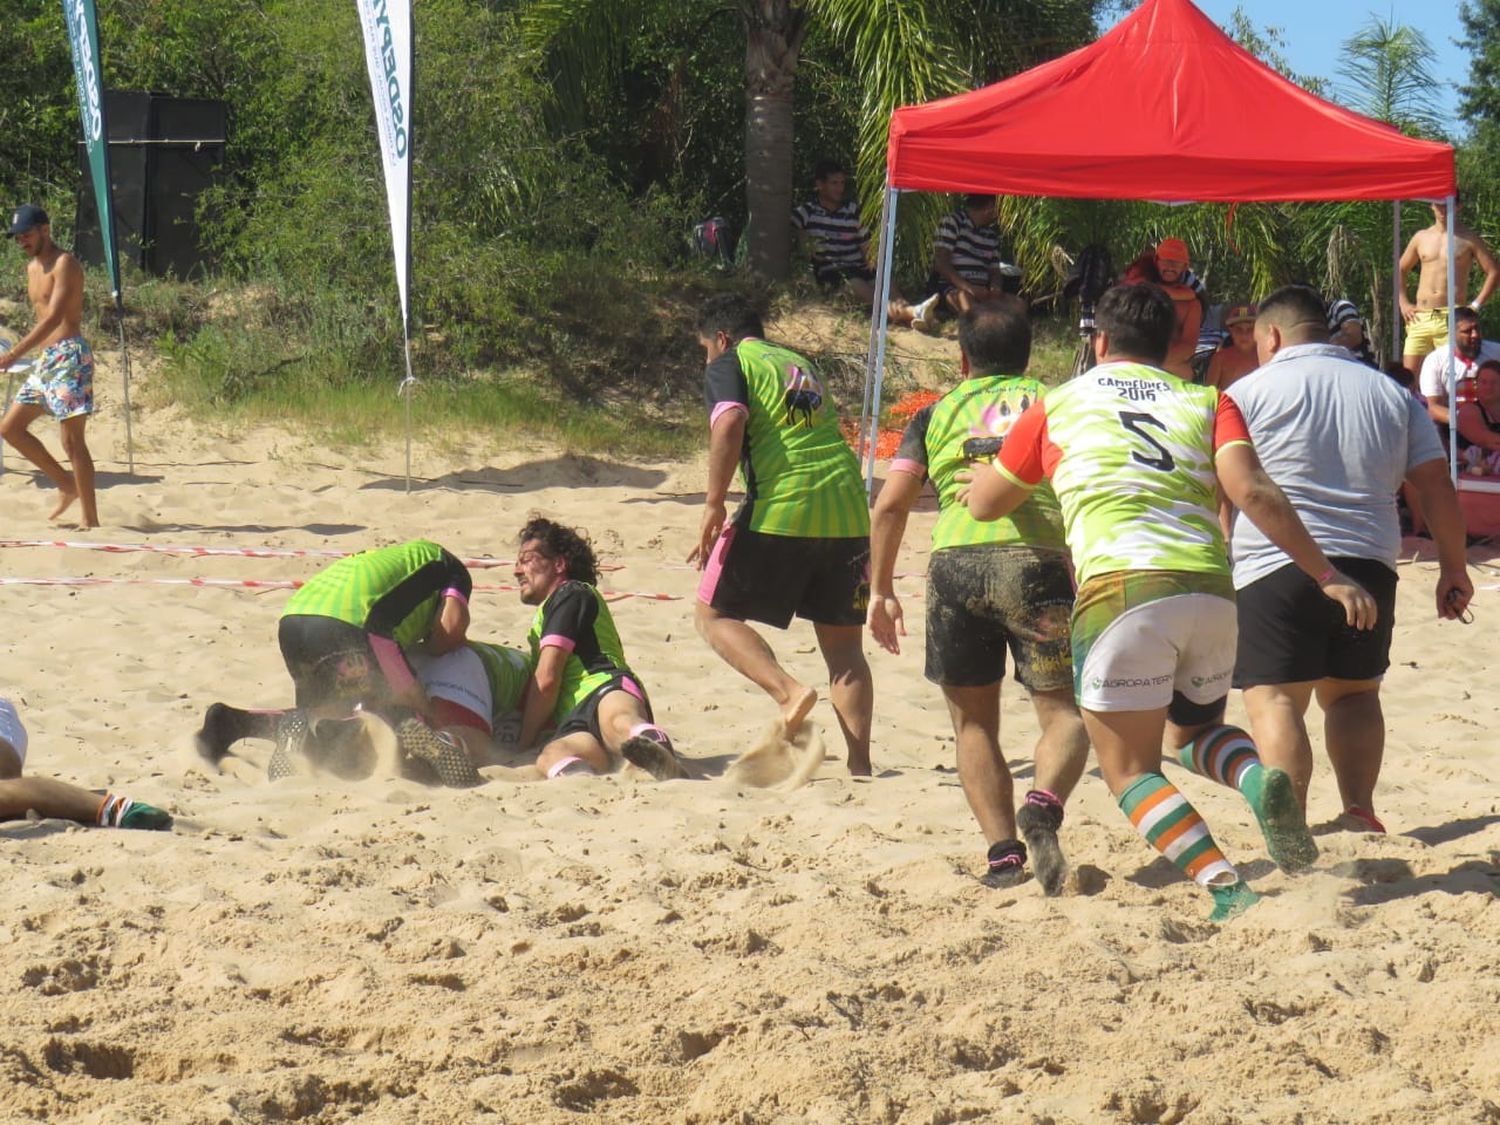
{"x": 61, "y": 380}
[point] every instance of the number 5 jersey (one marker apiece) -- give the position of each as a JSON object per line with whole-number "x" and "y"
{"x": 1129, "y": 450}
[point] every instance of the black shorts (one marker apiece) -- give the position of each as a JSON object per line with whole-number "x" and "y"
{"x": 1290, "y": 632}
{"x": 585, "y": 717}
{"x": 983, "y": 600}
{"x": 769, "y": 578}
{"x": 330, "y": 661}
{"x": 832, "y": 277}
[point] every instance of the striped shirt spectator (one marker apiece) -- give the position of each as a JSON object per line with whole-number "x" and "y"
{"x": 838, "y": 238}
{"x": 975, "y": 249}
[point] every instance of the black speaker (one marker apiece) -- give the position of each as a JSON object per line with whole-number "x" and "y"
{"x": 163, "y": 153}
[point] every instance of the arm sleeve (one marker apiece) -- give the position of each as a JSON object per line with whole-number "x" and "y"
{"x": 1229, "y": 425}
{"x": 799, "y": 216}
{"x": 1431, "y": 379}
{"x": 947, "y": 234}
{"x": 724, "y": 386}
{"x": 569, "y": 614}
{"x": 911, "y": 454}
{"x": 407, "y": 611}
{"x": 1422, "y": 441}
{"x": 1023, "y": 457}
{"x": 458, "y": 576}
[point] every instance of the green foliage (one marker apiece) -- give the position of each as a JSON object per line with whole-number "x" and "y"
{"x": 1389, "y": 74}
{"x": 1480, "y": 97}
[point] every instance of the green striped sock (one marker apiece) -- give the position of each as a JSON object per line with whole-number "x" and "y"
{"x": 1173, "y": 827}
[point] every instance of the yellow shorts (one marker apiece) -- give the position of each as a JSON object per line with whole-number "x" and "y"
{"x": 1426, "y": 332}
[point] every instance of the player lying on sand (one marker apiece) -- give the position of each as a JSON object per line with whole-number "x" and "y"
{"x": 21, "y": 795}
{"x": 580, "y": 684}
{"x": 346, "y": 637}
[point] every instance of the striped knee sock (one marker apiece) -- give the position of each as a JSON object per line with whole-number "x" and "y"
{"x": 1224, "y": 754}
{"x": 1173, "y": 827}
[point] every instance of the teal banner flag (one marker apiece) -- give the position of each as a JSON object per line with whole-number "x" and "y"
{"x": 83, "y": 37}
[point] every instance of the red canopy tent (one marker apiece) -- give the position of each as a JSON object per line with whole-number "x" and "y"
{"x": 1163, "y": 107}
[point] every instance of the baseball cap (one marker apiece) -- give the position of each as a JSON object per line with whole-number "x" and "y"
{"x": 27, "y": 216}
{"x": 1173, "y": 249}
{"x": 1238, "y": 314}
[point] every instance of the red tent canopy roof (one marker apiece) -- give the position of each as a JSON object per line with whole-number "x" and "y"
{"x": 1164, "y": 107}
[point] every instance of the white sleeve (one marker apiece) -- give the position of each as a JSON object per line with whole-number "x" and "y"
{"x": 1432, "y": 380}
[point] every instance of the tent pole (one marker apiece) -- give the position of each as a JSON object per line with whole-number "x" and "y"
{"x": 1398, "y": 283}
{"x": 875, "y": 368}
{"x": 1452, "y": 340}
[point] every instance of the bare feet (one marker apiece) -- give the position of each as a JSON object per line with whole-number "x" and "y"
{"x": 68, "y": 495}
{"x": 797, "y": 710}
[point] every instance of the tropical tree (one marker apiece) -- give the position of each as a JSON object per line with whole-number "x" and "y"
{"x": 899, "y": 52}
{"x": 1388, "y": 72}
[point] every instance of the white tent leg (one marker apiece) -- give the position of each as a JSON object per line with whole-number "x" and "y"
{"x": 875, "y": 365}
{"x": 1452, "y": 341}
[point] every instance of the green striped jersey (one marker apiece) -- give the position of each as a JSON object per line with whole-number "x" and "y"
{"x": 1130, "y": 453}
{"x": 576, "y": 618}
{"x": 393, "y": 592}
{"x": 508, "y": 670}
{"x": 963, "y": 429}
{"x": 801, "y": 477}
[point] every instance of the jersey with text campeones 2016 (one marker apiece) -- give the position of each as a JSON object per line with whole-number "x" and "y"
{"x": 1130, "y": 450}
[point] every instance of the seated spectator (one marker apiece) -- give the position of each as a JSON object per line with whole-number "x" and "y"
{"x": 1347, "y": 329}
{"x": 1469, "y": 351}
{"x": 966, "y": 265}
{"x": 1167, "y": 267}
{"x": 1238, "y": 358}
{"x": 1479, "y": 420}
{"x": 838, "y": 244}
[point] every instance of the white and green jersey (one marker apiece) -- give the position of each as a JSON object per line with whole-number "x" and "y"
{"x": 1130, "y": 450}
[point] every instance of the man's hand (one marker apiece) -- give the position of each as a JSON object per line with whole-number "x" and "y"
{"x": 1454, "y": 591}
{"x": 709, "y": 529}
{"x": 886, "y": 622}
{"x": 1359, "y": 607}
{"x": 1408, "y": 310}
{"x": 964, "y": 477}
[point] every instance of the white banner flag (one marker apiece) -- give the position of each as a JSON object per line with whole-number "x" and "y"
{"x": 387, "y": 27}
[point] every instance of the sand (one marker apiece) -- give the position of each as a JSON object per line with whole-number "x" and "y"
{"x": 692, "y": 951}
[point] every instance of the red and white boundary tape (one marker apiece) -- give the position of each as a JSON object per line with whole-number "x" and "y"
{"x": 277, "y": 584}
{"x": 479, "y": 563}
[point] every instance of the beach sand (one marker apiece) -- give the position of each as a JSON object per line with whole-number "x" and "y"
{"x": 691, "y": 951}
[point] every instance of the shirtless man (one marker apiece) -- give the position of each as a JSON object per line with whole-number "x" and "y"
{"x": 1427, "y": 317}
{"x": 1236, "y": 359}
{"x": 62, "y": 381}
{"x": 1172, "y": 268}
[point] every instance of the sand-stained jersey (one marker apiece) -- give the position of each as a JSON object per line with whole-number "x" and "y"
{"x": 393, "y": 592}
{"x": 508, "y": 670}
{"x": 960, "y": 431}
{"x": 576, "y": 619}
{"x": 1130, "y": 452}
{"x": 801, "y": 477}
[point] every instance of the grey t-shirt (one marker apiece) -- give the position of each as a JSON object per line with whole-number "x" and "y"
{"x": 1339, "y": 439}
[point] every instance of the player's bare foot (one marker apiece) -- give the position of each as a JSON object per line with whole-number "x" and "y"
{"x": 797, "y": 709}
{"x": 64, "y": 501}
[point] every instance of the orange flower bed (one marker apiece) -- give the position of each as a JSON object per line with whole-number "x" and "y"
{"x": 888, "y": 439}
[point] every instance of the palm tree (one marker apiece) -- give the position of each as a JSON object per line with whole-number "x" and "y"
{"x": 904, "y": 51}
{"x": 1388, "y": 73}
